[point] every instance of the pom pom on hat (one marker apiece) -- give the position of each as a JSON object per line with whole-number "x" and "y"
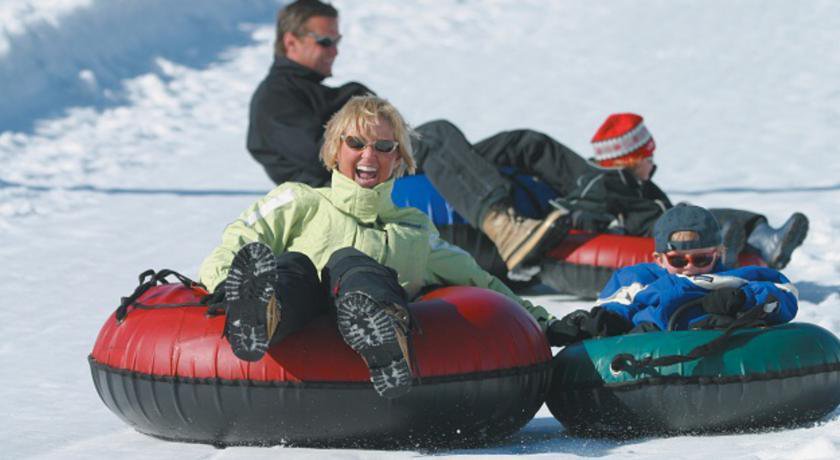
{"x": 622, "y": 140}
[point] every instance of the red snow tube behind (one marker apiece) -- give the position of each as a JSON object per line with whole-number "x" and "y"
{"x": 483, "y": 370}
{"x": 580, "y": 265}
{"x": 583, "y": 262}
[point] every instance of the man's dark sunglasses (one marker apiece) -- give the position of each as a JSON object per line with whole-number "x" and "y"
{"x": 325, "y": 40}
{"x": 381, "y": 146}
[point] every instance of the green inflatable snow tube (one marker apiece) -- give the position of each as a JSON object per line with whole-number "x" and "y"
{"x": 763, "y": 377}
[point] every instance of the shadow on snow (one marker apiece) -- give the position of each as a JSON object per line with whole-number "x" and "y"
{"x": 815, "y": 293}
{"x": 817, "y": 188}
{"x": 545, "y": 435}
{"x": 133, "y": 190}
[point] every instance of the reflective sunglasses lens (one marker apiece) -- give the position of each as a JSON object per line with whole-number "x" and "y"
{"x": 354, "y": 143}
{"x": 702, "y": 260}
{"x": 677, "y": 261}
{"x": 325, "y": 40}
{"x": 383, "y": 146}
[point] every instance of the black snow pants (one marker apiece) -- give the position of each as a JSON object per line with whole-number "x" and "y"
{"x": 304, "y": 296}
{"x": 468, "y": 176}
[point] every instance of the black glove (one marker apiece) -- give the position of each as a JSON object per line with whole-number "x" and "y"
{"x": 581, "y": 325}
{"x": 604, "y": 323}
{"x": 591, "y": 221}
{"x": 567, "y": 330}
{"x": 726, "y": 301}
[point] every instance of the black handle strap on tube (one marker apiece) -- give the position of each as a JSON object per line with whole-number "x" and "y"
{"x": 147, "y": 280}
{"x": 672, "y": 322}
{"x": 626, "y": 361}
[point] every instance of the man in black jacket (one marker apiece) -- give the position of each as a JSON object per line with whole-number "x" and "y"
{"x": 291, "y": 107}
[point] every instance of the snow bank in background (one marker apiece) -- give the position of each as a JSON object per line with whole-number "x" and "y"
{"x": 16, "y": 16}
{"x": 70, "y": 160}
{"x": 55, "y": 54}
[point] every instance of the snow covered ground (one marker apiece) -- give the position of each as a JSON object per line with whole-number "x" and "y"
{"x": 122, "y": 128}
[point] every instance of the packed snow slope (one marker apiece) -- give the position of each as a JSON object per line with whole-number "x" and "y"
{"x": 122, "y": 132}
{"x": 55, "y": 54}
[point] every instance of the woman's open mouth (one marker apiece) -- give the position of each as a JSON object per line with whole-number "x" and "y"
{"x": 366, "y": 176}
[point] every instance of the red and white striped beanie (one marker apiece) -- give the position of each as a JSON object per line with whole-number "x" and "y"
{"x": 622, "y": 141}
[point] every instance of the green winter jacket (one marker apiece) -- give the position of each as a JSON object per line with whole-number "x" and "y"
{"x": 319, "y": 221}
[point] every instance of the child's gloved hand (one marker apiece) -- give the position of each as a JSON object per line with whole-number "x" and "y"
{"x": 726, "y": 301}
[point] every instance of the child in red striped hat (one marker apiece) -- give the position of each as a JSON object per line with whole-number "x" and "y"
{"x": 623, "y": 199}
{"x": 624, "y": 141}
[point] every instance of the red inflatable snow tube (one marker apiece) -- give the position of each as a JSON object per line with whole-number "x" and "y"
{"x": 483, "y": 370}
{"x": 583, "y": 262}
{"x": 580, "y": 265}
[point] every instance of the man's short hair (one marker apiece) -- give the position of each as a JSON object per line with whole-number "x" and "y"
{"x": 358, "y": 116}
{"x": 293, "y": 17}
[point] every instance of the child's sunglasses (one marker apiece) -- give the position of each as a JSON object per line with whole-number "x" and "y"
{"x": 380, "y": 146}
{"x": 701, "y": 260}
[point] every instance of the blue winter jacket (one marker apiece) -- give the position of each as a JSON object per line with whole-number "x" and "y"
{"x": 646, "y": 293}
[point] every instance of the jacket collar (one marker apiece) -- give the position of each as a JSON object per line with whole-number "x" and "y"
{"x": 366, "y": 204}
{"x": 628, "y": 177}
{"x": 287, "y": 66}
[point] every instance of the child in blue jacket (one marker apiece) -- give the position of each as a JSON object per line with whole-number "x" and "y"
{"x": 687, "y": 268}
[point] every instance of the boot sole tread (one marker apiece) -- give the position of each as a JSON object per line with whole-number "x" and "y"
{"x": 249, "y": 293}
{"x": 372, "y": 333}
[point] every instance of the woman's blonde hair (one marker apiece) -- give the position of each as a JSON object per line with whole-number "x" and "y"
{"x": 358, "y": 116}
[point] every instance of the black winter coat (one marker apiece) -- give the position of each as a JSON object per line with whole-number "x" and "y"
{"x": 635, "y": 204}
{"x": 288, "y": 113}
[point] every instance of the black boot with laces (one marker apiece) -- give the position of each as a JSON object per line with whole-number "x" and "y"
{"x": 253, "y": 311}
{"x": 380, "y": 333}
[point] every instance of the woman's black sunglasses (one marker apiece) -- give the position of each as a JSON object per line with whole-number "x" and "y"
{"x": 380, "y": 146}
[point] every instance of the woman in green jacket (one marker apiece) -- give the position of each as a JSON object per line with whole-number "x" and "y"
{"x": 372, "y": 256}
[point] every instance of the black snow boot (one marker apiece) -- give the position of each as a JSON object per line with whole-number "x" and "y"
{"x": 380, "y": 333}
{"x": 253, "y": 311}
{"x": 372, "y": 317}
{"x": 777, "y": 245}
